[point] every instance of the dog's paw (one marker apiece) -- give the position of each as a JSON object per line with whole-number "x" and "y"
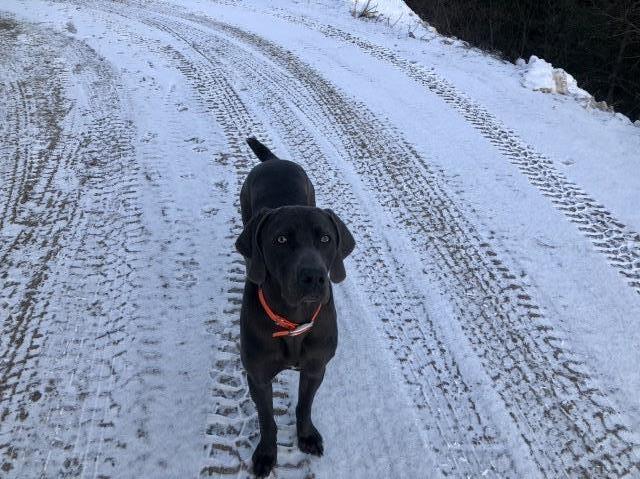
{"x": 311, "y": 444}
{"x": 264, "y": 461}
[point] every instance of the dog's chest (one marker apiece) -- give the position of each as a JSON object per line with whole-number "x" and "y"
{"x": 293, "y": 351}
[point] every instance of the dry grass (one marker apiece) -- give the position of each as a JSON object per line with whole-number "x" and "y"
{"x": 368, "y": 11}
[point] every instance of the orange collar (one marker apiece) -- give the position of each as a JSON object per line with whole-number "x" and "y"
{"x": 292, "y": 329}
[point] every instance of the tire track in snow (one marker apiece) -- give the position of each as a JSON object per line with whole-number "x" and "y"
{"x": 75, "y": 205}
{"x": 232, "y": 425}
{"x": 567, "y": 422}
{"x": 34, "y": 215}
{"x": 441, "y": 390}
{"x": 619, "y": 243}
{"x": 26, "y": 228}
{"x": 95, "y": 310}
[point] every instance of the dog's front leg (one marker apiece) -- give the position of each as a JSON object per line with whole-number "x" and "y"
{"x": 309, "y": 439}
{"x": 264, "y": 457}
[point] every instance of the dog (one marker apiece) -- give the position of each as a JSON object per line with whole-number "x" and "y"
{"x": 293, "y": 250}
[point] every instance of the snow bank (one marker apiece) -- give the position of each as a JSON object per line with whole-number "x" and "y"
{"x": 540, "y": 75}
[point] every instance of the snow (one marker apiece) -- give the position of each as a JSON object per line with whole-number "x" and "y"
{"x": 537, "y": 74}
{"x": 488, "y": 323}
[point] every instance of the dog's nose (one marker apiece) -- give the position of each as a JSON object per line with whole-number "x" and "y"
{"x": 311, "y": 278}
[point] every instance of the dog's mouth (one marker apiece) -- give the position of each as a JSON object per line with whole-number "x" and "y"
{"x": 295, "y": 297}
{"x": 321, "y": 297}
{"x": 311, "y": 299}
{"x": 308, "y": 299}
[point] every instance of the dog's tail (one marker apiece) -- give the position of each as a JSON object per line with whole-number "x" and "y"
{"x": 262, "y": 152}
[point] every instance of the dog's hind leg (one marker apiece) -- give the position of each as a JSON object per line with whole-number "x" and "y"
{"x": 309, "y": 439}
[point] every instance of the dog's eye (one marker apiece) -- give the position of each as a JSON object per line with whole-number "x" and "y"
{"x": 325, "y": 238}
{"x": 282, "y": 239}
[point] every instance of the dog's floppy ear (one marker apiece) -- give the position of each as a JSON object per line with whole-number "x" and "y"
{"x": 248, "y": 245}
{"x": 345, "y": 246}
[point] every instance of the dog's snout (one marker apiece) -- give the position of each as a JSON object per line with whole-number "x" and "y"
{"x": 312, "y": 277}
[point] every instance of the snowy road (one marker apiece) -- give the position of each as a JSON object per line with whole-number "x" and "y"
{"x": 489, "y": 322}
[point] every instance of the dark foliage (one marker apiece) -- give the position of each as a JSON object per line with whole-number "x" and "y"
{"x": 597, "y": 41}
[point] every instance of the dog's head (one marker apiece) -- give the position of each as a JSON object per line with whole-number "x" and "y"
{"x": 297, "y": 247}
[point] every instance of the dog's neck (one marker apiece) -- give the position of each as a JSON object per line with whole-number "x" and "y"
{"x": 297, "y": 314}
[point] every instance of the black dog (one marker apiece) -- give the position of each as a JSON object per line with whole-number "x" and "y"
{"x": 288, "y": 318}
